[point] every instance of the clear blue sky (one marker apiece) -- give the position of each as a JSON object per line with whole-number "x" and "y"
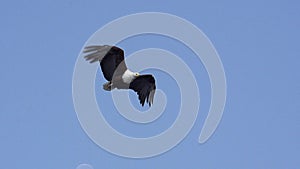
{"x": 258, "y": 42}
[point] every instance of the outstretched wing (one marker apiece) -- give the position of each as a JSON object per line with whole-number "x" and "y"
{"x": 111, "y": 59}
{"x": 145, "y": 87}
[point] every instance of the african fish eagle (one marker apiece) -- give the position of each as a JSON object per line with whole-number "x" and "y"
{"x": 117, "y": 74}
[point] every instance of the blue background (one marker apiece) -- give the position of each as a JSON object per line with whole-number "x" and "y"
{"x": 258, "y": 42}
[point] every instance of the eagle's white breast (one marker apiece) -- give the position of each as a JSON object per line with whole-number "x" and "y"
{"x": 128, "y": 76}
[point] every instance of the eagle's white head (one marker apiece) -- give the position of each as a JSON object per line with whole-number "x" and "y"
{"x": 128, "y": 76}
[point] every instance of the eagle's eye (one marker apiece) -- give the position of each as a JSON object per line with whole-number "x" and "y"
{"x": 136, "y": 74}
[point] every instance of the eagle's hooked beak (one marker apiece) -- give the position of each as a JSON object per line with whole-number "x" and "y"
{"x": 136, "y": 74}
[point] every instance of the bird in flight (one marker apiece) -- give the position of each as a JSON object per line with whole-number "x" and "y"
{"x": 117, "y": 74}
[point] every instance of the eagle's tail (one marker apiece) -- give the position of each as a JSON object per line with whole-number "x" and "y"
{"x": 108, "y": 86}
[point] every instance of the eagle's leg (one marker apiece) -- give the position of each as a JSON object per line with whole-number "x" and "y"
{"x": 108, "y": 86}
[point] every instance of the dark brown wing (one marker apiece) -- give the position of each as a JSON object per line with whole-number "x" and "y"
{"x": 110, "y": 58}
{"x": 145, "y": 87}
